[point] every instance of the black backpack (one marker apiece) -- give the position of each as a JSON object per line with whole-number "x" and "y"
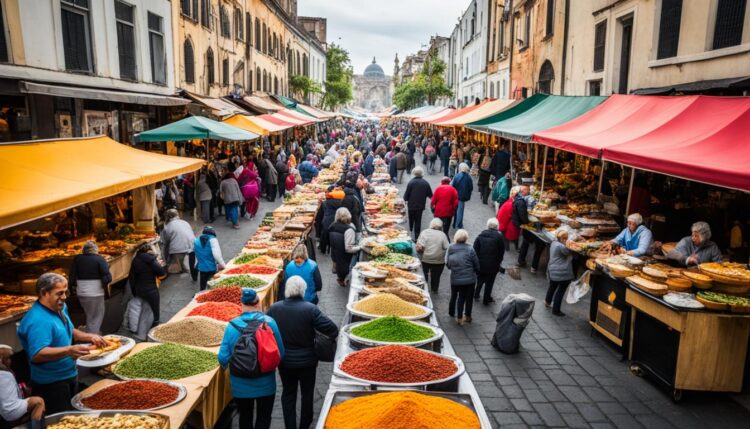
{"x": 255, "y": 353}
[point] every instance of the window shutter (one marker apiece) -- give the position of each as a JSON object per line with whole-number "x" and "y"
{"x": 669, "y": 28}
{"x": 600, "y": 41}
{"x": 730, "y": 17}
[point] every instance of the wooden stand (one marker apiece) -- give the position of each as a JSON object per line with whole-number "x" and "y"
{"x": 687, "y": 350}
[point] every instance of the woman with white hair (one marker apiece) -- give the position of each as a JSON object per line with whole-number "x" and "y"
{"x": 696, "y": 248}
{"x": 464, "y": 185}
{"x": 431, "y": 245}
{"x": 417, "y": 192}
{"x": 88, "y": 276}
{"x": 490, "y": 249}
{"x": 343, "y": 241}
{"x": 298, "y": 321}
{"x": 635, "y": 239}
{"x": 559, "y": 271}
{"x": 303, "y": 267}
{"x": 464, "y": 265}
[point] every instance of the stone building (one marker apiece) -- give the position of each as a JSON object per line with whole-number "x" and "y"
{"x": 373, "y": 90}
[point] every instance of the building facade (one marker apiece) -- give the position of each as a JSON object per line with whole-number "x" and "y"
{"x": 96, "y": 68}
{"x": 473, "y": 40}
{"x": 498, "y": 48}
{"x": 373, "y": 89}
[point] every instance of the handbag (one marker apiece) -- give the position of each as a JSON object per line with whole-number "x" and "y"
{"x": 325, "y": 347}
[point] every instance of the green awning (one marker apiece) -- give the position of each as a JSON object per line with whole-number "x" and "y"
{"x": 537, "y": 113}
{"x": 292, "y": 104}
{"x": 195, "y": 127}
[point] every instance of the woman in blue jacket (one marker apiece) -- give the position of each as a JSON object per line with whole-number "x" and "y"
{"x": 251, "y": 392}
{"x": 301, "y": 265}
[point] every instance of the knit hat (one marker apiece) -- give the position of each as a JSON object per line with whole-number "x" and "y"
{"x": 446, "y": 179}
{"x": 209, "y": 230}
{"x": 249, "y": 296}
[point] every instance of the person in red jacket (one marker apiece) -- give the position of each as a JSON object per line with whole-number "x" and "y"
{"x": 444, "y": 203}
{"x": 505, "y": 225}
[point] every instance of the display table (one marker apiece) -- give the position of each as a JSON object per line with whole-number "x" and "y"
{"x": 208, "y": 394}
{"x": 687, "y": 349}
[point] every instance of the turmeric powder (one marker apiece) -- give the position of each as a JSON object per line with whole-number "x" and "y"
{"x": 401, "y": 410}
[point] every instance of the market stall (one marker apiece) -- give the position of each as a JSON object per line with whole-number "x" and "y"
{"x": 60, "y": 193}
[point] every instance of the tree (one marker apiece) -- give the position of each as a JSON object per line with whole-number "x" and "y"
{"x": 426, "y": 86}
{"x": 302, "y": 86}
{"x": 339, "y": 74}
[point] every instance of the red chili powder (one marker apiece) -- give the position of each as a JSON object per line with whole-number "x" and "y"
{"x": 397, "y": 364}
{"x": 227, "y": 294}
{"x": 132, "y": 395}
{"x": 224, "y": 311}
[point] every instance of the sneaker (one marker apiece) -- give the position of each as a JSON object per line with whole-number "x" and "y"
{"x": 558, "y": 313}
{"x": 532, "y": 270}
{"x": 236, "y": 226}
{"x": 467, "y": 319}
{"x": 547, "y": 304}
{"x": 460, "y": 321}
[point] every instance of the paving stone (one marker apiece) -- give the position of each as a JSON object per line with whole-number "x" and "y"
{"x": 507, "y": 418}
{"x": 480, "y": 376}
{"x": 531, "y": 419}
{"x": 513, "y": 391}
{"x": 591, "y": 413}
{"x": 521, "y": 404}
{"x": 624, "y": 421}
{"x": 574, "y": 420}
{"x": 560, "y": 378}
{"x": 609, "y": 408}
{"x": 497, "y": 404}
{"x": 534, "y": 395}
{"x": 549, "y": 415}
{"x": 652, "y": 421}
{"x": 565, "y": 407}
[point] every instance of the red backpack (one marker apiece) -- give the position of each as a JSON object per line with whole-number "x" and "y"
{"x": 291, "y": 182}
{"x": 256, "y": 352}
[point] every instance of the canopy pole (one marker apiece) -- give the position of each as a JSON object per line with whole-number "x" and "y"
{"x": 544, "y": 166}
{"x": 536, "y": 157}
{"x": 630, "y": 191}
{"x": 601, "y": 179}
{"x": 511, "y": 160}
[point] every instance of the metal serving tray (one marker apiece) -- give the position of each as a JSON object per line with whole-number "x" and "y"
{"x": 181, "y": 394}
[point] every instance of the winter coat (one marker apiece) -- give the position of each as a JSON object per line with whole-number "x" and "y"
{"x": 272, "y": 176}
{"x": 560, "y": 265}
{"x": 519, "y": 213}
{"x": 463, "y": 263}
{"x": 445, "y": 151}
{"x": 417, "y": 191}
{"x": 502, "y": 191}
{"x": 506, "y": 226}
{"x": 144, "y": 271}
{"x": 435, "y": 244}
{"x": 490, "y": 249}
{"x": 354, "y": 205}
{"x": 329, "y": 211}
{"x": 204, "y": 190}
{"x": 230, "y": 191}
{"x": 464, "y": 185}
{"x": 500, "y": 163}
{"x": 368, "y": 167}
{"x": 402, "y": 161}
{"x": 307, "y": 170}
{"x": 444, "y": 201}
{"x": 89, "y": 267}
{"x": 177, "y": 237}
{"x": 298, "y": 320}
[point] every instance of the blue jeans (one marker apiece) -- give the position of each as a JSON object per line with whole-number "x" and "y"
{"x": 232, "y": 212}
{"x": 458, "y": 222}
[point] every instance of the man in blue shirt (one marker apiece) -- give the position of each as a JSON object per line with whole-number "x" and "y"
{"x": 251, "y": 392}
{"x": 47, "y": 335}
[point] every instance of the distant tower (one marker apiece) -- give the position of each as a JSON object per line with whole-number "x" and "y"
{"x": 396, "y": 70}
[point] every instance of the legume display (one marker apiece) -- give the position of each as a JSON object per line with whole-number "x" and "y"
{"x": 401, "y": 410}
{"x": 227, "y": 294}
{"x": 224, "y": 311}
{"x": 118, "y": 421}
{"x": 242, "y": 280}
{"x": 251, "y": 269}
{"x": 393, "y": 329}
{"x": 245, "y": 258}
{"x": 395, "y": 258}
{"x": 166, "y": 362}
{"x": 132, "y": 395}
{"x": 387, "y": 304}
{"x": 397, "y": 364}
{"x": 191, "y": 331}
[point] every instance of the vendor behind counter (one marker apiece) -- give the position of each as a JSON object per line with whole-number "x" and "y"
{"x": 697, "y": 248}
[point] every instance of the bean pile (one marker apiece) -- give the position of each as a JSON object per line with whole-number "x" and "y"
{"x": 166, "y": 362}
{"x": 245, "y": 258}
{"x": 397, "y": 364}
{"x": 227, "y": 294}
{"x": 251, "y": 269}
{"x": 401, "y": 410}
{"x": 242, "y": 280}
{"x": 191, "y": 331}
{"x": 393, "y": 329}
{"x": 118, "y": 421}
{"x": 395, "y": 259}
{"x": 132, "y": 395}
{"x": 387, "y": 304}
{"x": 224, "y": 311}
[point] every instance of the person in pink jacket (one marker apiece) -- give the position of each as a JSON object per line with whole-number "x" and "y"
{"x": 251, "y": 193}
{"x": 505, "y": 225}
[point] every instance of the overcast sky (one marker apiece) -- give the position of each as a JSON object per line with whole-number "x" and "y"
{"x": 381, "y": 28}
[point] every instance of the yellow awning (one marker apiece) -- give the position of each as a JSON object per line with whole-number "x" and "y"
{"x": 483, "y": 111}
{"x": 42, "y": 177}
{"x": 262, "y": 124}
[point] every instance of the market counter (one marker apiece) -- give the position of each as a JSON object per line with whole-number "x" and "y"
{"x": 687, "y": 349}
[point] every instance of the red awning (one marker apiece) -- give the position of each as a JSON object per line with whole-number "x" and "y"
{"x": 707, "y": 142}
{"x": 694, "y": 137}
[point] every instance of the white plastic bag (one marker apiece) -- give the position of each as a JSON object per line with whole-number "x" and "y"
{"x": 578, "y": 289}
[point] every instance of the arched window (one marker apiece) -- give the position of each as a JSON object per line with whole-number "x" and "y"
{"x": 299, "y": 64}
{"x": 258, "y": 84}
{"x": 239, "y": 31}
{"x": 226, "y": 28}
{"x": 265, "y": 39}
{"x": 189, "y": 60}
{"x": 210, "y": 66}
{"x": 249, "y": 30}
{"x": 206, "y": 13}
{"x": 305, "y": 65}
{"x": 257, "y": 35}
{"x": 265, "y": 81}
{"x": 250, "y": 81}
{"x": 546, "y": 77}
{"x": 275, "y": 51}
{"x": 269, "y": 42}
{"x": 275, "y": 85}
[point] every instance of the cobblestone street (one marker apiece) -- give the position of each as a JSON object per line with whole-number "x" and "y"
{"x": 563, "y": 376}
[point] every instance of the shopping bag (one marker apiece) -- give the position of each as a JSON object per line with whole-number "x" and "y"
{"x": 578, "y": 288}
{"x": 325, "y": 347}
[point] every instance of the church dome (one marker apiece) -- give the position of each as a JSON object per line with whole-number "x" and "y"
{"x": 374, "y": 70}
